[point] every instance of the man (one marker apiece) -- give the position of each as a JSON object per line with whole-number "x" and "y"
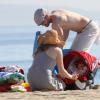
{"x": 65, "y": 21}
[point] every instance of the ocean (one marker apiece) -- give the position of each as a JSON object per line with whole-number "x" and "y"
{"x": 16, "y": 47}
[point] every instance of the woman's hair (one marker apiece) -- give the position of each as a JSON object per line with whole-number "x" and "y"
{"x": 49, "y": 39}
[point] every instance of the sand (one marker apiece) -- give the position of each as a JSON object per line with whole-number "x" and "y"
{"x": 53, "y": 95}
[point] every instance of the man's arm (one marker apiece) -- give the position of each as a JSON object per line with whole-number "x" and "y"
{"x": 63, "y": 33}
{"x": 66, "y": 34}
{"x": 58, "y": 28}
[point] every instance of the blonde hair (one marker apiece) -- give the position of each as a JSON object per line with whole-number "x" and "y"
{"x": 49, "y": 39}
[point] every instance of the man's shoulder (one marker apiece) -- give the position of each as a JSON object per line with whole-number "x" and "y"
{"x": 58, "y": 15}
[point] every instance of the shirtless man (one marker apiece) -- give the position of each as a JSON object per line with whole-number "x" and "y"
{"x": 65, "y": 21}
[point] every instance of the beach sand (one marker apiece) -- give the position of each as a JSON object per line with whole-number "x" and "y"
{"x": 52, "y": 95}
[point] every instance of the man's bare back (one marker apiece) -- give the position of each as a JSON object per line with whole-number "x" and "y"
{"x": 64, "y": 21}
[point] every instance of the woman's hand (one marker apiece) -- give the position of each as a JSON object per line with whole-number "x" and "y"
{"x": 74, "y": 76}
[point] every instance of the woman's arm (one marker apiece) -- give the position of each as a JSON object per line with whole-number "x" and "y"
{"x": 62, "y": 71}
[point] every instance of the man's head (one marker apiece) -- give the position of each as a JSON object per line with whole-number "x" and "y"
{"x": 41, "y": 17}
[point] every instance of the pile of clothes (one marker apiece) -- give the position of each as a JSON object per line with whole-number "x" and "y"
{"x": 12, "y": 79}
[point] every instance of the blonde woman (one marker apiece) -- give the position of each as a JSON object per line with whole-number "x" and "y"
{"x": 48, "y": 54}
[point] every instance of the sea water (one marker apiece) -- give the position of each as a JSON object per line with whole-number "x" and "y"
{"x": 16, "y": 47}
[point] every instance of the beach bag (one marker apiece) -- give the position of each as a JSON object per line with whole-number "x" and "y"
{"x": 10, "y": 75}
{"x": 82, "y": 63}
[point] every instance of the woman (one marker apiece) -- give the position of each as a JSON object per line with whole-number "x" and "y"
{"x": 48, "y": 54}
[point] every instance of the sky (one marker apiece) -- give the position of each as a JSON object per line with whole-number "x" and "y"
{"x": 20, "y": 12}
